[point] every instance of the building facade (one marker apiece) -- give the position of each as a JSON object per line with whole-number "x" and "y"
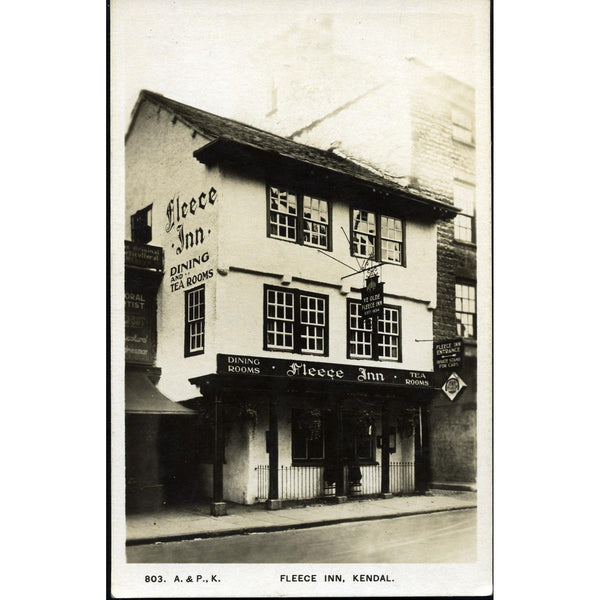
{"x": 416, "y": 127}
{"x": 286, "y": 294}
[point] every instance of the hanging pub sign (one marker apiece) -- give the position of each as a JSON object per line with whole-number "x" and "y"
{"x": 448, "y": 354}
{"x": 372, "y": 298}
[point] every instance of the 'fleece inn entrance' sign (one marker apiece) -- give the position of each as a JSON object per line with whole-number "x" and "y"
{"x": 232, "y": 364}
{"x": 448, "y": 354}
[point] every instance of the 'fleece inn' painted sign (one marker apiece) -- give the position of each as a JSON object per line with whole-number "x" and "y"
{"x": 232, "y": 364}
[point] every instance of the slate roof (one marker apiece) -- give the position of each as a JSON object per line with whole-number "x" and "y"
{"x": 219, "y": 128}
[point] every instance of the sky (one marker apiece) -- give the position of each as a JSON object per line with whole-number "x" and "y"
{"x": 196, "y": 51}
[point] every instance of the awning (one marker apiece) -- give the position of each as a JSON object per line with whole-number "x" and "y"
{"x": 142, "y": 397}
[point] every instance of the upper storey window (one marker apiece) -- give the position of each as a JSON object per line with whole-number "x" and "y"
{"x": 295, "y": 321}
{"x": 462, "y": 127}
{"x": 298, "y": 218}
{"x": 141, "y": 225}
{"x": 466, "y": 315}
{"x": 378, "y": 237}
{"x": 464, "y": 198}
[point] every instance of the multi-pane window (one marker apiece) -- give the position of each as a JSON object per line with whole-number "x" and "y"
{"x": 363, "y": 233}
{"x": 312, "y": 324}
{"x": 462, "y": 126}
{"x": 388, "y": 327}
{"x": 283, "y": 214}
{"x": 391, "y": 239}
{"x": 298, "y": 218}
{"x": 360, "y": 333}
{"x": 280, "y": 320}
{"x": 307, "y": 436}
{"x": 378, "y": 237}
{"x": 295, "y": 321}
{"x": 466, "y": 324}
{"x": 316, "y": 221}
{"x": 364, "y": 341}
{"x": 315, "y": 430}
{"x": 464, "y": 198}
{"x": 358, "y": 439}
{"x": 194, "y": 321}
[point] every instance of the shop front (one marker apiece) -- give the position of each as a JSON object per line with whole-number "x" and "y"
{"x": 287, "y": 430}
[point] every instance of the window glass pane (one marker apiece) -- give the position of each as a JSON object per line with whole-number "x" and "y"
{"x": 360, "y": 336}
{"x": 388, "y": 327}
{"x": 312, "y": 324}
{"x": 465, "y": 310}
{"x": 315, "y": 222}
{"x": 282, "y": 213}
{"x": 195, "y": 316}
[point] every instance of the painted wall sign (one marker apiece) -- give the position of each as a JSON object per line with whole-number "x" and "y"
{"x": 177, "y": 214}
{"x": 372, "y": 298}
{"x": 232, "y": 364}
{"x": 189, "y": 273}
{"x": 187, "y": 222}
{"x": 448, "y": 354}
{"x": 140, "y": 320}
{"x": 144, "y": 256}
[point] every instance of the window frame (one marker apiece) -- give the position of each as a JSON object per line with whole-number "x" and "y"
{"x": 470, "y": 284}
{"x": 296, "y": 321}
{"x": 459, "y": 128}
{"x": 188, "y": 323}
{"x": 376, "y": 354}
{"x": 378, "y": 237}
{"x": 348, "y": 418}
{"x": 141, "y": 233}
{"x": 326, "y": 432}
{"x": 300, "y": 219}
{"x": 467, "y": 186}
{"x": 294, "y": 428}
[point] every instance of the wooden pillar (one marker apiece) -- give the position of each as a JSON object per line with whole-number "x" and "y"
{"x": 273, "y": 501}
{"x": 385, "y": 449}
{"x": 422, "y": 471}
{"x": 340, "y": 492}
{"x": 218, "y": 507}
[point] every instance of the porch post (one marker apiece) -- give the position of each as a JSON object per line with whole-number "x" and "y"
{"x": 422, "y": 473}
{"x": 340, "y": 494}
{"x": 217, "y": 506}
{"x": 273, "y": 501}
{"x": 385, "y": 450}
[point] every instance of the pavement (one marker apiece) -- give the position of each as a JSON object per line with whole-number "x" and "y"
{"x": 193, "y": 522}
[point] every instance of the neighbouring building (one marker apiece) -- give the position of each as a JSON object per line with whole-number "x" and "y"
{"x": 277, "y": 295}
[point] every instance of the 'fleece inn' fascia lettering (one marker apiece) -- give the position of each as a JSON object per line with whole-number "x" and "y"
{"x": 228, "y": 364}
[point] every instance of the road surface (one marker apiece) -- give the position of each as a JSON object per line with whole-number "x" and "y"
{"x": 444, "y": 537}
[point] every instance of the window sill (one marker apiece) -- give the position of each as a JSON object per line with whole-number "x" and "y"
{"x": 391, "y": 361}
{"x": 463, "y": 143}
{"x": 299, "y": 354}
{"x": 465, "y": 243}
{"x": 297, "y": 243}
{"x": 297, "y": 462}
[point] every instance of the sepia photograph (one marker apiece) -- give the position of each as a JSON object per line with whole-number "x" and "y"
{"x": 301, "y": 299}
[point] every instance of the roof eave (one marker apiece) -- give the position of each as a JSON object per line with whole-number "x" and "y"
{"x": 219, "y": 149}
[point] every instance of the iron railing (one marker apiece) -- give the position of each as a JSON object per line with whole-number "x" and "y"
{"x": 304, "y": 482}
